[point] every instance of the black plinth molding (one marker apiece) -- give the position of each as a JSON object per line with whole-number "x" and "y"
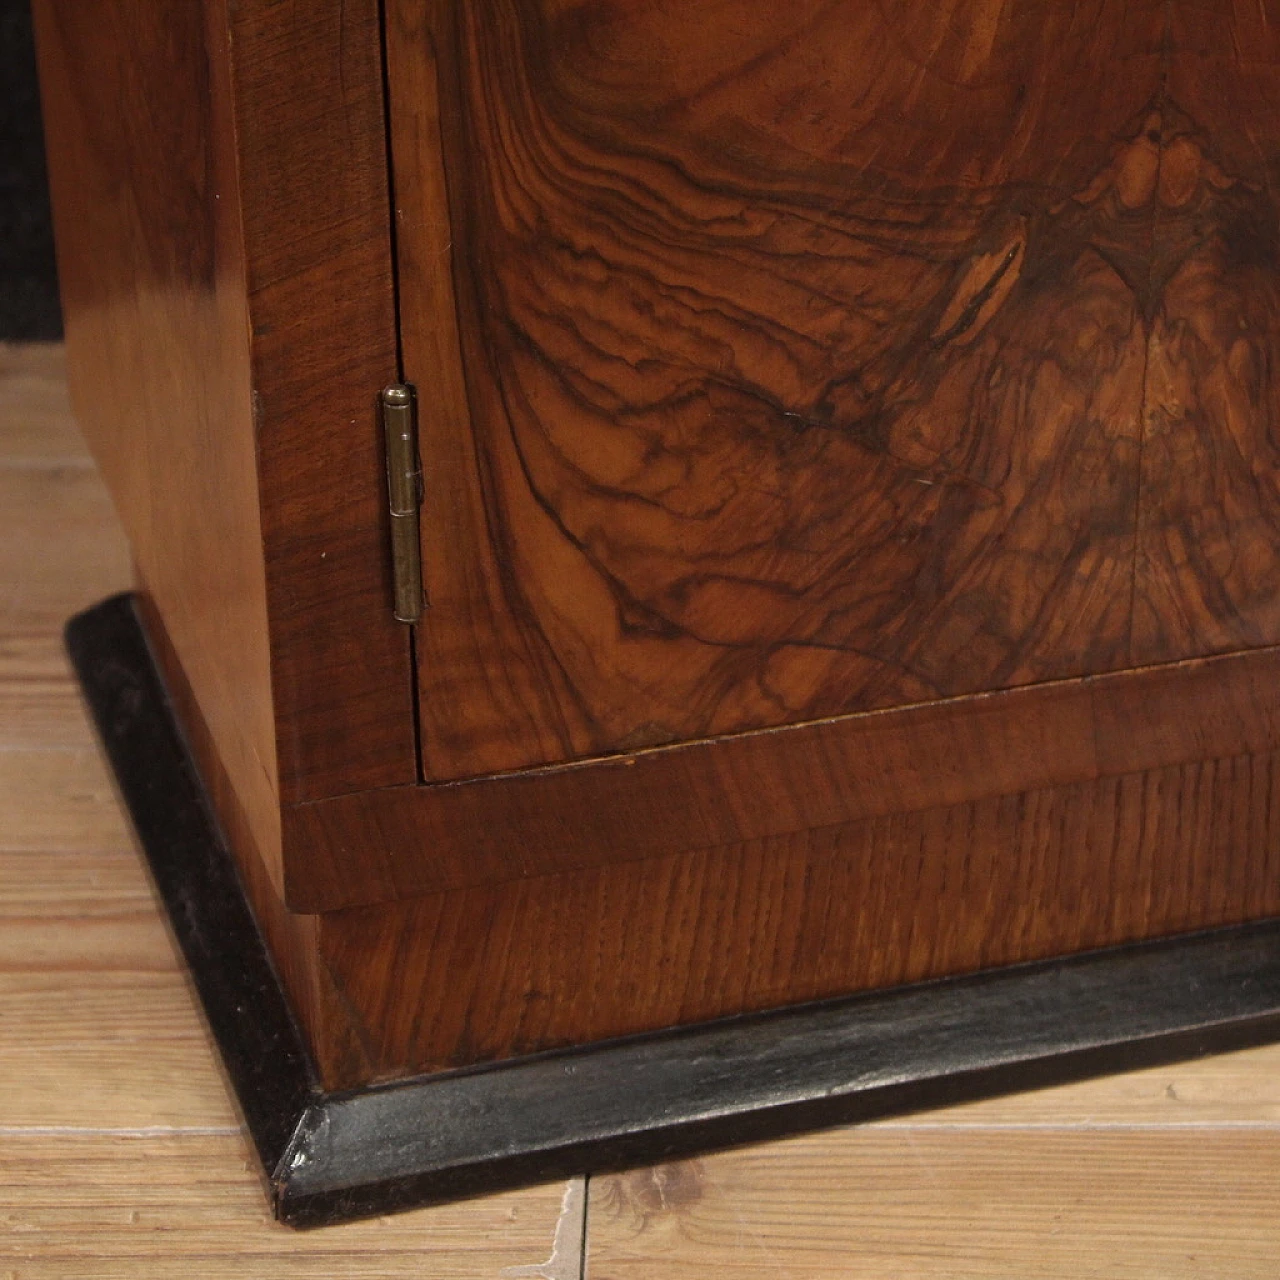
{"x": 330, "y": 1157}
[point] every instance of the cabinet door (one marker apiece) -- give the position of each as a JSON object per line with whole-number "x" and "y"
{"x": 782, "y": 362}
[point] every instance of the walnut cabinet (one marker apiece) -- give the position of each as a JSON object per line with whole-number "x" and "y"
{"x": 849, "y": 445}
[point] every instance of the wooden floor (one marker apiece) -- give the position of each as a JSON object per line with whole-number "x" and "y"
{"x": 120, "y": 1155}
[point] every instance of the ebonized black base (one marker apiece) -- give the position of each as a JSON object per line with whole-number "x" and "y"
{"x": 329, "y": 1157}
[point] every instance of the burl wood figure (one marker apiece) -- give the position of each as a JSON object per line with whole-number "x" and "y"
{"x": 841, "y": 356}
{"x": 850, "y": 521}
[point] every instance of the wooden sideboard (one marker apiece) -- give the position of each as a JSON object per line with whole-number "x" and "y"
{"x": 849, "y": 478}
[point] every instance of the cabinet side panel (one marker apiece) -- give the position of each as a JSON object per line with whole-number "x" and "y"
{"x": 488, "y": 973}
{"x": 143, "y": 178}
{"x": 330, "y": 1033}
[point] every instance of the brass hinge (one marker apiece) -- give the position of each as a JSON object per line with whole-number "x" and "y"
{"x": 404, "y": 492}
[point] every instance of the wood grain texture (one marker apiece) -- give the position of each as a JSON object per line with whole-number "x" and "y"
{"x": 33, "y": 400}
{"x": 290, "y": 937}
{"x": 1206, "y": 570}
{"x": 235, "y": 311}
{"x": 37, "y": 689}
{"x": 227, "y": 277}
{"x": 87, "y": 911}
{"x": 63, "y": 498}
{"x": 454, "y": 516}
{"x": 311, "y": 139}
{"x": 152, "y": 273}
{"x": 82, "y": 808}
{"x": 823, "y": 359}
{"x": 141, "y": 1206}
{"x": 392, "y": 844}
{"x": 119, "y": 1157}
{"x": 120, "y": 1153}
{"x": 494, "y": 972}
{"x": 960, "y": 1205}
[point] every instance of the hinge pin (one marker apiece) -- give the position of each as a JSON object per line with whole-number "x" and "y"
{"x": 404, "y": 492}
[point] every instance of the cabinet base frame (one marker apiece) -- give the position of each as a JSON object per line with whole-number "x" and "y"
{"x": 334, "y": 1156}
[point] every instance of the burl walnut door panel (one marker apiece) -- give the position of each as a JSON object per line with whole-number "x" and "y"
{"x": 783, "y": 361}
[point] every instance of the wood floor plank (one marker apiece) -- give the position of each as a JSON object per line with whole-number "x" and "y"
{"x": 40, "y": 703}
{"x": 61, "y": 550}
{"x": 36, "y": 425}
{"x": 959, "y": 1205}
{"x": 191, "y": 1206}
{"x": 94, "y": 912}
{"x": 60, "y": 547}
{"x": 113, "y": 1050}
{"x": 128, "y": 942}
{"x": 59, "y": 801}
{"x": 75, "y": 886}
{"x": 67, "y": 912}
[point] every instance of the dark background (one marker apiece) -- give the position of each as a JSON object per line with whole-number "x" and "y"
{"x": 28, "y": 281}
